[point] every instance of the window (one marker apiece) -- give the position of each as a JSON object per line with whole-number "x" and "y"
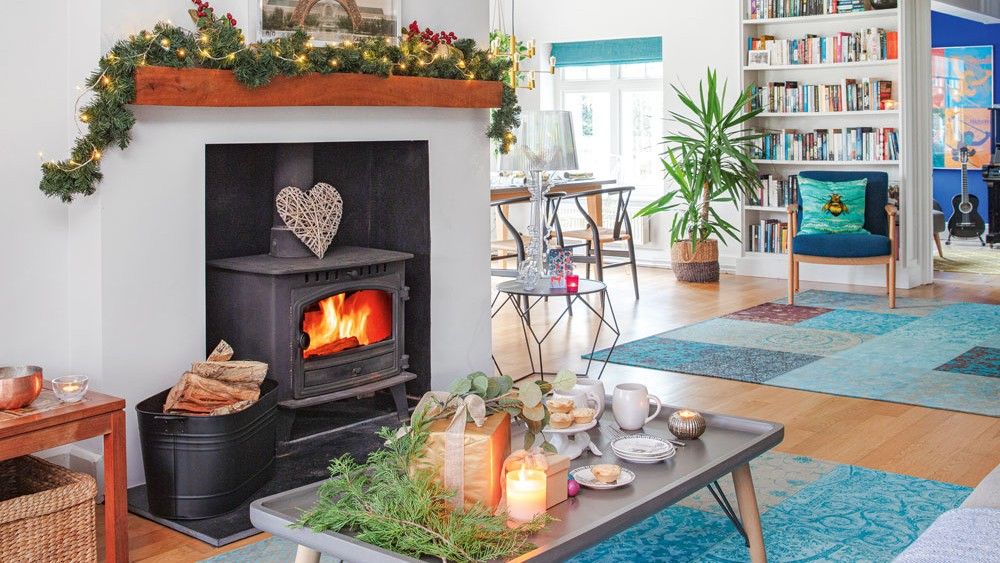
{"x": 618, "y": 116}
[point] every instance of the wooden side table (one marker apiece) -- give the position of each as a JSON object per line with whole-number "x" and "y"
{"x": 96, "y": 415}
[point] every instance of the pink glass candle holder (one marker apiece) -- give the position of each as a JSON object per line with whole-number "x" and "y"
{"x": 572, "y": 283}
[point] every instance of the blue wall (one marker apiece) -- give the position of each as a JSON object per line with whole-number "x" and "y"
{"x": 951, "y": 31}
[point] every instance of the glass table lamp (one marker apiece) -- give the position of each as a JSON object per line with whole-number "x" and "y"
{"x": 544, "y": 143}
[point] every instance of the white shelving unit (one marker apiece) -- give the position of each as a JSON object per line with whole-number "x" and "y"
{"x": 776, "y": 264}
{"x": 822, "y": 66}
{"x": 841, "y": 114}
{"x": 839, "y": 18}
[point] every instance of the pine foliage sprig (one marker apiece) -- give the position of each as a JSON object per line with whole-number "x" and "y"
{"x": 219, "y": 44}
{"x": 385, "y": 503}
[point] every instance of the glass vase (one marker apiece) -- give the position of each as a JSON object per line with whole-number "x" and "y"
{"x": 533, "y": 267}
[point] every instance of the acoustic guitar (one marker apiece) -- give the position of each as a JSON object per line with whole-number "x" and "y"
{"x": 965, "y": 221}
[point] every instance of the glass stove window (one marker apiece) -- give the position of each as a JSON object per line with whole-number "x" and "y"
{"x": 347, "y": 320}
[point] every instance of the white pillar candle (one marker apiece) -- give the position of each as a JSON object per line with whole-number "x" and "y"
{"x": 525, "y": 494}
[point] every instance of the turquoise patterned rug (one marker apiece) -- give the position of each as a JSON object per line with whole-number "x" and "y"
{"x": 811, "y": 510}
{"x": 923, "y": 352}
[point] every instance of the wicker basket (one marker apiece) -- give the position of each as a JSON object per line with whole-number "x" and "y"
{"x": 46, "y": 512}
{"x": 702, "y": 265}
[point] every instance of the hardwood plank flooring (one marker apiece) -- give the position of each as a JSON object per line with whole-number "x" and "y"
{"x": 930, "y": 443}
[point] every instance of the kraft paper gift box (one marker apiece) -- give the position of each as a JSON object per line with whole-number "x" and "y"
{"x": 477, "y": 467}
{"x": 557, "y": 474}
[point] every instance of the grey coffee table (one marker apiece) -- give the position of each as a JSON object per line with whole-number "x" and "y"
{"x": 726, "y": 447}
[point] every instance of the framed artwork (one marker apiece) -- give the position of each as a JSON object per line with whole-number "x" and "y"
{"x": 329, "y": 21}
{"x": 962, "y": 95}
{"x": 759, "y": 58}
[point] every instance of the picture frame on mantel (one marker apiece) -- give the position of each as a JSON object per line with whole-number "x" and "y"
{"x": 329, "y": 21}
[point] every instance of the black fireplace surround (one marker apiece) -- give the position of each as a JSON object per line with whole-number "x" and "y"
{"x": 256, "y": 301}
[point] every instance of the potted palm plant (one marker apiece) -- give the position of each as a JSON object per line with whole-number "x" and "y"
{"x": 709, "y": 161}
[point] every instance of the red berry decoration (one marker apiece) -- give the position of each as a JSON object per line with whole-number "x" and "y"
{"x": 572, "y": 488}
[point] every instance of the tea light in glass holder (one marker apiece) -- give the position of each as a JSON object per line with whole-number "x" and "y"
{"x": 572, "y": 283}
{"x": 686, "y": 424}
{"x": 70, "y": 388}
{"x": 525, "y": 494}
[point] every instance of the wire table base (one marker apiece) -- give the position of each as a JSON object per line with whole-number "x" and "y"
{"x": 512, "y": 292}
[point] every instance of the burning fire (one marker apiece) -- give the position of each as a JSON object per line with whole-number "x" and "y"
{"x": 347, "y": 320}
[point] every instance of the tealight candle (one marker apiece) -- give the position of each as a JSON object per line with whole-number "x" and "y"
{"x": 572, "y": 283}
{"x": 71, "y": 388}
{"x": 686, "y": 424}
{"x": 525, "y": 494}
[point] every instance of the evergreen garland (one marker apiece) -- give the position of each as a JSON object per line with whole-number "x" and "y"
{"x": 219, "y": 44}
{"x": 384, "y": 503}
{"x": 394, "y": 502}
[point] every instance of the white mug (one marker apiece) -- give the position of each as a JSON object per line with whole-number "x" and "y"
{"x": 594, "y": 388}
{"x": 630, "y": 404}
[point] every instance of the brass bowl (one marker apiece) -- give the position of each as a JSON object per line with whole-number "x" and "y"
{"x": 19, "y": 385}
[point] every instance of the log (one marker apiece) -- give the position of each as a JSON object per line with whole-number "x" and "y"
{"x": 230, "y": 409}
{"x": 222, "y": 352}
{"x": 235, "y": 371}
{"x": 196, "y": 393}
{"x": 335, "y": 346}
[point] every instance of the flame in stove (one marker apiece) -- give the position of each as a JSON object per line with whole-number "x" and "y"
{"x": 347, "y": 320}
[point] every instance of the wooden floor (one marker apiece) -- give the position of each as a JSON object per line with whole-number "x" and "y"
{"x": 929, "y": 443}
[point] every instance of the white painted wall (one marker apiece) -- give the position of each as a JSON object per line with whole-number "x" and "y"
{"x": 34, "y": 311}
{"x": 113, "y": 286}
{"x": 696, "y": 35}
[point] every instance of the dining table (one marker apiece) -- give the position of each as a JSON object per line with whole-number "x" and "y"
{"x": 595, "y": 204}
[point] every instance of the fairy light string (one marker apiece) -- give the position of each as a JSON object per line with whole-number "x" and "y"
{"x": 104, "y": 119}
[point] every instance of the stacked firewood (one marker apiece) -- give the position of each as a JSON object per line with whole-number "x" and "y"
{"x": 219, "y": 385}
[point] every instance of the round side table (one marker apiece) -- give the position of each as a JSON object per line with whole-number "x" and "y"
{"x": 513, "y": 292}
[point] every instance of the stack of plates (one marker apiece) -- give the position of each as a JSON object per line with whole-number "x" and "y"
{"x": 643, "y": 448}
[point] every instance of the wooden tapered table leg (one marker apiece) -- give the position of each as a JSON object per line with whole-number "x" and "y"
{"x": 305, "y": 555}
{"x": 746, "y": 499}
{"x": 115, "y": 506}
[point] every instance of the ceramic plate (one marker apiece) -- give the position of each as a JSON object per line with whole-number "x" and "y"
{"x": 583, "y": 476}
{"x": 646, "y": 459}
{"x": 642, "y": 445}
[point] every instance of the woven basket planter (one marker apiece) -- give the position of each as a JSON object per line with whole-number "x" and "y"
{"x": 702, "y": 265}
{"x": 46, "y": 512}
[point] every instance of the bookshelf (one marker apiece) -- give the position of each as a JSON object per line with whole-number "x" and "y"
{"x": 821, "y": 18}
{"x": 837, "y": 69}
{"x": 823, "y": 66}
{"x": 807, "y": 114}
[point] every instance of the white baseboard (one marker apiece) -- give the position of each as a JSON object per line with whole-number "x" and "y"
{"x": 78, "y": 459}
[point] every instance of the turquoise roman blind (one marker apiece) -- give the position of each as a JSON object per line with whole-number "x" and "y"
{"x": 608, "y": 52}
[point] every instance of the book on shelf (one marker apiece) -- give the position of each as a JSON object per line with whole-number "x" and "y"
{"x": 774, "y": 191}
{"x": 768, "y": 236}
{"x": 847, "y": 144}
{"x": 760, "y": 9}
{"x": 871, "y": 44}
{"x": 851, "y": 94}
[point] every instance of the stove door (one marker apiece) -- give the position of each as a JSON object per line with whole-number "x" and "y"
{"x": 348, "y": 334}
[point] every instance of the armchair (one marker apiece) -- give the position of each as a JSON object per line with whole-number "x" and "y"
{"x": 877, "y": 246}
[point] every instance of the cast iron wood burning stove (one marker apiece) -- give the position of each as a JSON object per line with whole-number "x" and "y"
{"x": 330, "y": 329}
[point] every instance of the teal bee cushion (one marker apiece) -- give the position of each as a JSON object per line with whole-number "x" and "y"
{"x": 832, "y": 207}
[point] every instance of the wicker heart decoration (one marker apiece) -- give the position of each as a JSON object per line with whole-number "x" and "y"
{"x": 313, "y": 216}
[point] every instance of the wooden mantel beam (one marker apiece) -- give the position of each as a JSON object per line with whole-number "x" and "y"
{"x": 165, "y": 86}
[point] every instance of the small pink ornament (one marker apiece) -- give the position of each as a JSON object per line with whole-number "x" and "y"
{"x": 572, "y": 488}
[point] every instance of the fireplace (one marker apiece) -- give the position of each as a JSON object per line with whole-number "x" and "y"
{"x": 326, "y": 326}
{"x": 333, "y": 328}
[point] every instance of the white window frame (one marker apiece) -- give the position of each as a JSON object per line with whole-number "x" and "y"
{"x": 614, "y": 86}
